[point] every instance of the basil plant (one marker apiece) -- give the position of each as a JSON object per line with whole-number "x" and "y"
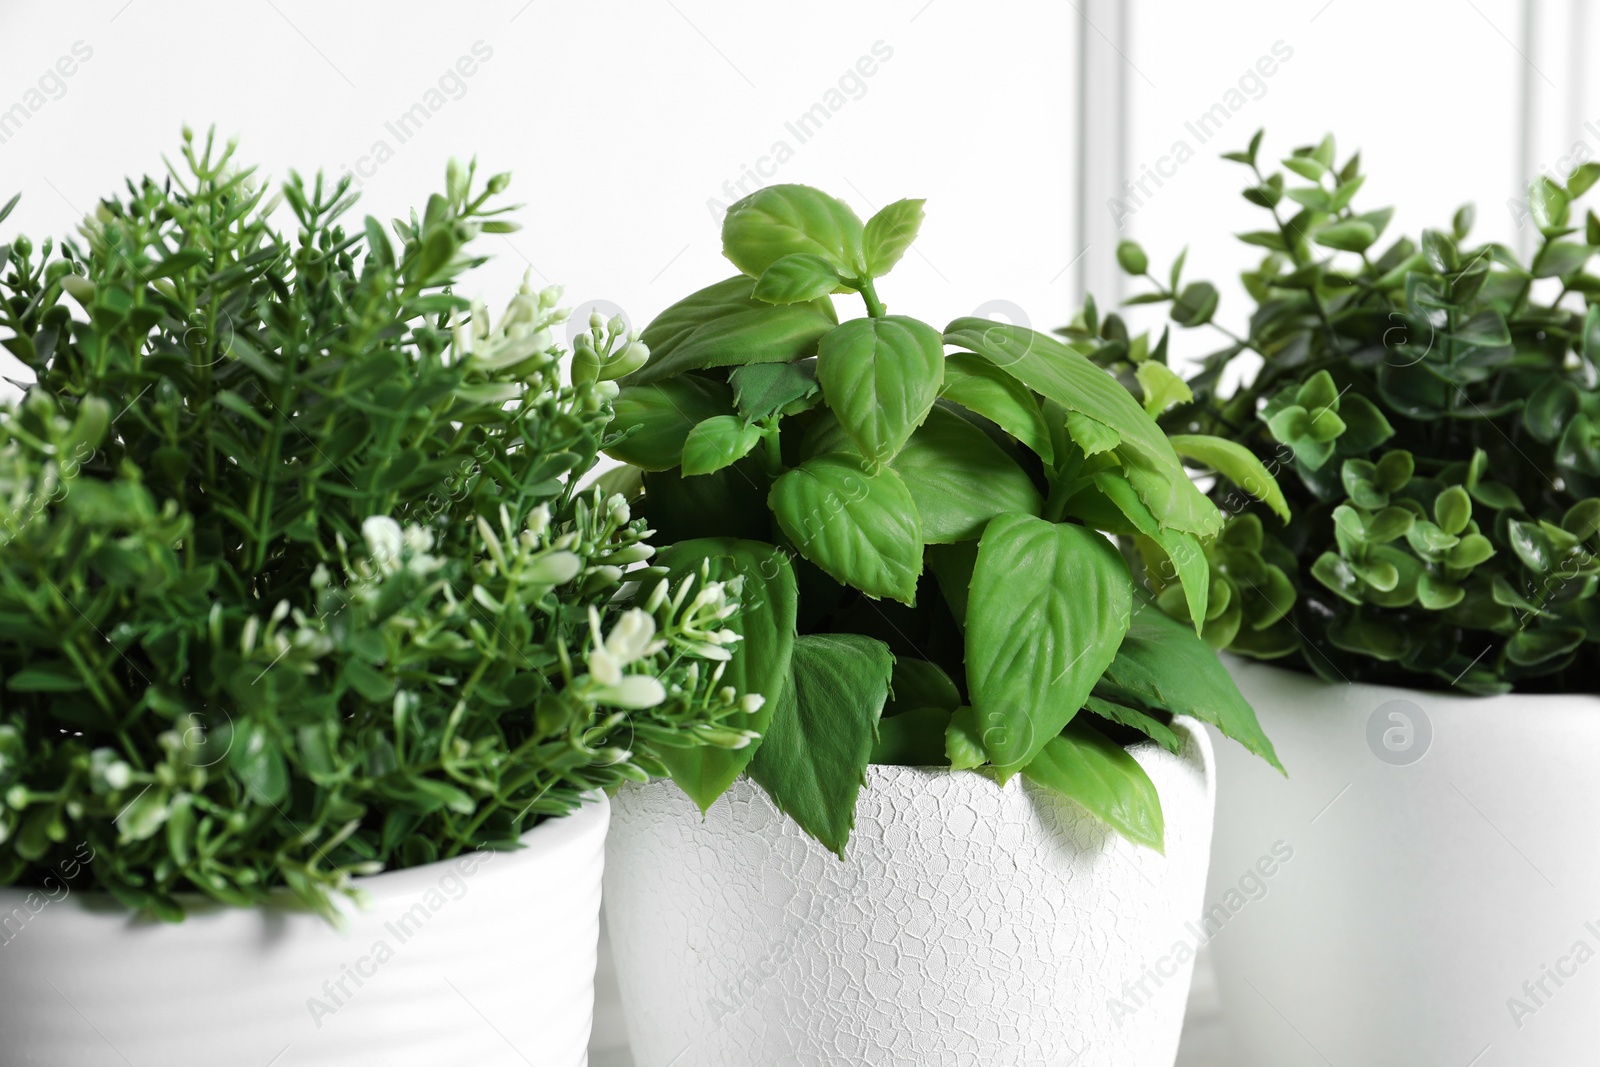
{"x": 922, "y": 532}
{"x": 298, "y": 580}
{"x": 1432, "y": 404}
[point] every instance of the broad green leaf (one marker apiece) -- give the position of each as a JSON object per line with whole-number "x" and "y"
{"x": 889, "y": 233}
{"x": 1046, "y": 366}
{"x": 861, "y": 529}
{"x": 912, "y": 738}
{"x": 782, "y": 220}
{"x": 960, "y": 479}
{"x": 1162, "y": 664}
{"x": 1099, "y": 775}
{"x": 813, "y": 759}
{"x": 761, "y": 660}
{"x": 724, "y": 325}
{"x": 981, "y": 387}
{"x": 716, "y": 443}
{"x": 663, "y": 413}
{"x": 1237, "y": 464}
{"x": 1047, "y": 607}
{"x": 880, "y": 377}
{"x": 796, "y": 278}
{"x": 762, "y": 389}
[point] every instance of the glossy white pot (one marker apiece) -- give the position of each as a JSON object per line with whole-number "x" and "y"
{"x": 968, "y": 926}
{"x": 1444, "y": 853}
{"x": 486, "y": 960}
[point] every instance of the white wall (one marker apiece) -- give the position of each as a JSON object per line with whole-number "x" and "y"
{"x": 620, "y": 121}
{"x": 1426, "y": 89}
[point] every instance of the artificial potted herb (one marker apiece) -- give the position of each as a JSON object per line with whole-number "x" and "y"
{"x": 1420, "y": 638}
{"x": 310, "y": 642}
{"x": 973, "y": 727}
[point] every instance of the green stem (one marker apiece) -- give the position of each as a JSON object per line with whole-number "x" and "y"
{"x": 868, "y": 293}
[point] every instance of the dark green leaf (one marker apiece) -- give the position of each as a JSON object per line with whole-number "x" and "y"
{"x": 813, "y": 759}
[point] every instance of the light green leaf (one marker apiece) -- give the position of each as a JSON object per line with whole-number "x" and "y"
{"x": 1237, "y": 464}
{"x": 963, "y": 741}
{"x": 861, "y": 529}
{"x": 814, "y": 758}
{"x": 716, "y": 443}
{"x": 1162, "y": 388}
{"x": 782, "y": 220}
{"x": 889, "y": 233}
{"x": 1099, "y": 775}
{"x": 880, "y": 377}
{"x": 1091, "y": 435}
{"x": 796, "y": 278}
{"x": 724, "y": 325}
{"x": 1047, "y": 608}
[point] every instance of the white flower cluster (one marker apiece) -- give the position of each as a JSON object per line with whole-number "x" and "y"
{"x": 389, "y": 548}
{"x": 524, "y": 330}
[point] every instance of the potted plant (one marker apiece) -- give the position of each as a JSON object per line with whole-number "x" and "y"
{"x": 1430, "y": 409}
{"x": 961, "y": 681}
{"x": 310, "y": 642}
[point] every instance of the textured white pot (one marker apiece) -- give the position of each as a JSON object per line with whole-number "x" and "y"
{"x": 968, "y": 926}
{"x": 485, "y": 960}
{"x": 1443, "y": 854}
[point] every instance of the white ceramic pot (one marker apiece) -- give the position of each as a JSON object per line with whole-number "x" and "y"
{"x": 1440, "y": 903}
{"x": 968, "y": 925}
{"x": 485, "y": 960}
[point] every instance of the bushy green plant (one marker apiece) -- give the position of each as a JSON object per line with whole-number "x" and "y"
{"x": 922, "y": 535}
{"x": 1434, "y": 406}
{"x": 296, "y": 579}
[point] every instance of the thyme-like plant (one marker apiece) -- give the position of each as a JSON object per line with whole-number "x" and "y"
{"x": 924, "y": 532}
{"x": 1434, "y": 406}
{"x": 296, "y": 579}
